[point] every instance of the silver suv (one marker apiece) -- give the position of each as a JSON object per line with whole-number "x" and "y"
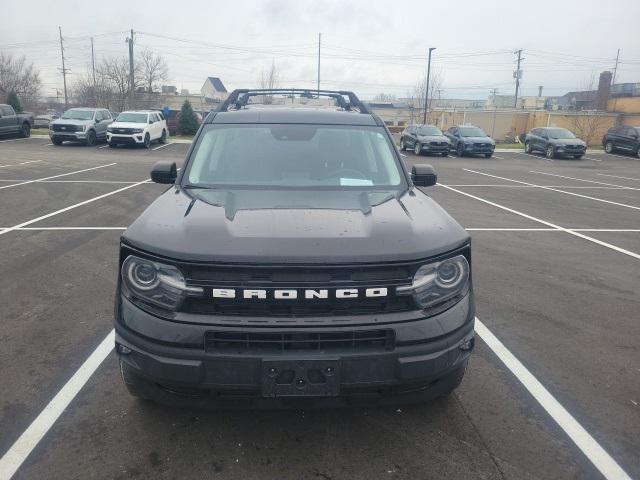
{"x": 86, "y": 125}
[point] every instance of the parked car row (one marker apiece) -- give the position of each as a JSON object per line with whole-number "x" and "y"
{"x": 91, "y": 125}
{"x": 463, "y": 139}
{"x": 553, "y": 142}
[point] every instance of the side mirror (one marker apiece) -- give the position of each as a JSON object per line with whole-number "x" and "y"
{"x": 424, "y": 175}
{"x": 150, "y": 122}
{"x": 164, "y": 172}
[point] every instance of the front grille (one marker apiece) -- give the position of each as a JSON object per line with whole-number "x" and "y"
{"x": 66, "y": 128}
{"x": 574, "y": 147}
{"x": 481, "y": 145}
{"x": 122, "y": 131}
{"x": 299, "y": 278}
{"x": 280, "y": 342}
{"x": 439, "y": 144}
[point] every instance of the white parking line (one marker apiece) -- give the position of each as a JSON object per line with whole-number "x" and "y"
{"x": 68, "y": 228}
{"x": 22, "y": 447}
{"x": 500, "y": 158}
{"x": 21, "y": 163}
{"x": 103, "y": 146}
{"x": 583, "y": 180}
{"x": 618, "y": 176}
{"x": 71, "y": 207}
{"x": 597, "y": 455}
{"x": 55, "y": 176}
{"x": 544, "y": 222}
{"x": 48, "y": 144}
{"x": 494, "y": 185}
{"x": 14, "y": 140}
{"x": 556, "y": 190}
{"x": 614, "y": 230}
{"x": 162, "y": 146}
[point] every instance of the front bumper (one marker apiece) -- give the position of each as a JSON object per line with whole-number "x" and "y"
{"x": 478, "y": 150}
{"x": 172, "y": 359}
{"x": 68, "y": 136}
{"x": 133, "y": 139}
{"x": 563, "y": 150}
{"x": 428, "y": 148}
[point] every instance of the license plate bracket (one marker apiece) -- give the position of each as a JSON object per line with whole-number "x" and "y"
{"x": 300, "y": 378}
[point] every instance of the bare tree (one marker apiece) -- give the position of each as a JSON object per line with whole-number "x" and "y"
{"x": 98, "y": 93}
{"x": 153, "y": 70}
{"x": 417, "y": 96}
{"x": 590, "y": 126}
{"x": 19, "y": 76}
{"x": 115, "y": 73}
{"x": 269, "y": 80}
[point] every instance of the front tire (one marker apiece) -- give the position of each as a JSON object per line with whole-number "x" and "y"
{"x": 112, "y": 145}
{"x": 91, "y": 139}
{"x": 417, "y": 149}
{"x": 488, "y": 155}
{"x": 460, "y": 150}
{"x": 608, "y": 147}
{"x": 25, "y": 131}
{"x": 577, "y": 157}
{"x": 56, "y": 142}
{"x": 550, "y": 152}
{"x": 147, "y": 141}
{"x": 163, "y": 137}
{"x": 403, "y": 147}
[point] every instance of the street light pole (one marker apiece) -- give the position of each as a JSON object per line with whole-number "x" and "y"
{"x": 426, "y": 94}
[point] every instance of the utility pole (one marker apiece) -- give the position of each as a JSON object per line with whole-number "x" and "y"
{"x": 64, "y": 70}
{"x": 319, "y": 41}
{"x": 495, "y": 110}
{"x": 517, "y": 74}
{"x": 615, "y": 69}
{"x": 540, "y": 87}
{"x": 426, "y": 94}
{"x": 93, "y": 63}
{"x": 93, "y": 68}
{"x": 131, "y": 79}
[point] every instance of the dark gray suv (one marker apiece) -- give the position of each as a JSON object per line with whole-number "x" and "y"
{"x": 293, "y": 262}
{"x": 554, "y": 142}
{"x": 425, "y": 139}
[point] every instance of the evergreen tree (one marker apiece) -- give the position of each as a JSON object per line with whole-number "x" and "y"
{"x": 188, "y": 121}
{"x": 14, "y": 101}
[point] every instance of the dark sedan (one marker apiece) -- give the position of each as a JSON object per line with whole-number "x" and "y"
{"x": 424, "y": 139}
{"x": 554, "y": 142}
{"x": 470, "y": 140}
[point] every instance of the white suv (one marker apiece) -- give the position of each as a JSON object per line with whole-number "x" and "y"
{"x": 137, "y": 128}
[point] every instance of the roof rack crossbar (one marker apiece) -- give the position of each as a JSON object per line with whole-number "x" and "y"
{"x": 240, "y": 97}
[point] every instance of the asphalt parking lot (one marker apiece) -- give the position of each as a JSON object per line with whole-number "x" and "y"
{"x": 555, "y": 264}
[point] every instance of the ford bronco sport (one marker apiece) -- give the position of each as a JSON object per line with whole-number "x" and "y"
{"x": 293, "y": 259}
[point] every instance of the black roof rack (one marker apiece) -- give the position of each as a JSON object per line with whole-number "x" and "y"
{"x": 240, "y": 97}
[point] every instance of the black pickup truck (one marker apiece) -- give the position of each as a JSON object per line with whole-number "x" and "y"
{"x": 12, "y": 123}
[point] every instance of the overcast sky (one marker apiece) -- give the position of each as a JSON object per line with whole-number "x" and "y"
{"x": 368, "y": 46}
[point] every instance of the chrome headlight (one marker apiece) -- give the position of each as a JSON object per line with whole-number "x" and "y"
{"x": 435, "y": 283}
{"x": 138, "y": 130}
{"x": 109, "y": 129}
{"x": 154, "y": 283}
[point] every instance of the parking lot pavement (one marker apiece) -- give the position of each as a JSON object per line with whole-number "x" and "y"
{"x": 560, "y": 293}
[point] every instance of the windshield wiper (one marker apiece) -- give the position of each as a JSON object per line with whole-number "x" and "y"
{"x": 197, "y": 187}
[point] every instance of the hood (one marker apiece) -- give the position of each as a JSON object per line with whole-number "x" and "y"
{"x": 65, "y": 121}
{"x": 567, "y": 141}
{"x": 256, "y": 226}
{"x": 479, "y": 140}
{"x": 433, "y": 138}
{"x": 127, "y": 125}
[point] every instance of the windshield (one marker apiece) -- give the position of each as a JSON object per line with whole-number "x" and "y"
{"x": 472, "y": 132}
{"x": 132, "y": 117}
{"x": 300, "y": 156}
{"x": 77, "y": 114}
{"x": 429, "y": 131}
{"x": 559, "y": 133}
